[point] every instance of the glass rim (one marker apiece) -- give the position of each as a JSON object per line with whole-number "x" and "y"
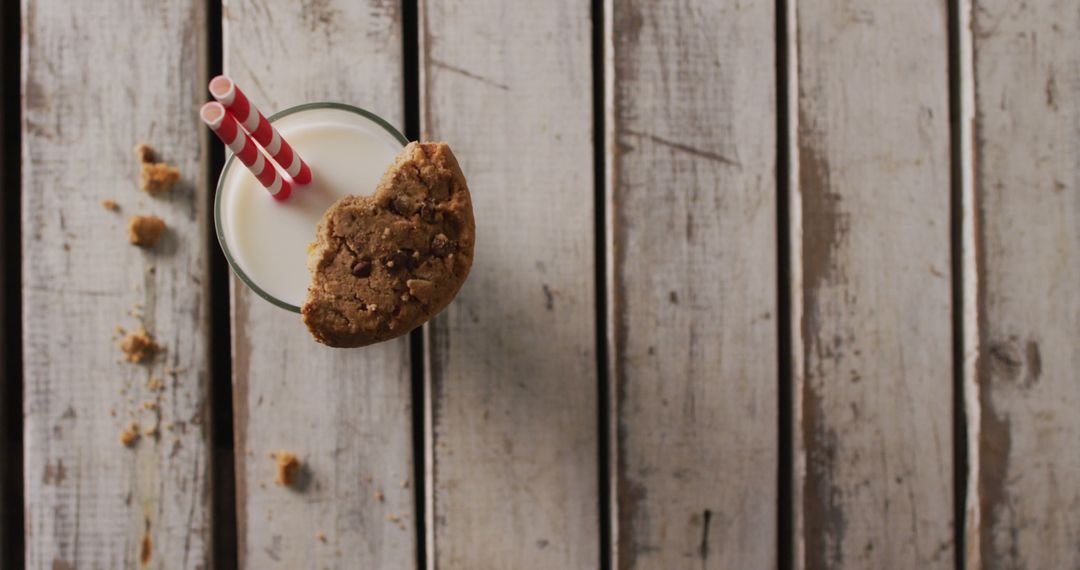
{"x": 223, "y": 243}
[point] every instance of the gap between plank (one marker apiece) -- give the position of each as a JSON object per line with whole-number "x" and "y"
{"x": 11, "y": 444}
{"x": 964, "y": 285}
{"x": 600, "y": 235}
{"x": 223, "y": 465}
{"x": 784, "y": 479}
{"x": 411, "y": 87}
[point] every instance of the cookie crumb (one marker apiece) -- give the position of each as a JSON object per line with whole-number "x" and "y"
{"x": 404, "y": 483}
{"x": 154, "y": 177}
{"x": 150, "y": 431}
{"x": 129, "y": 434}
{"x": 110, "y": 205}
{"x": 146, "y": 549}
{"x": 393, "y": 518}
{"x": 144, "y": 154}
{"x": 155, "y": 384}
{"x": 149, "y": 405}
{"x": 139, "y": 346}
{"x": 158, "y": 177}
{"x": 145, "y": 230}
{"x": 379, "y": 496}
{"x": 321, "y": 537}
{"x": 288, "y": 467}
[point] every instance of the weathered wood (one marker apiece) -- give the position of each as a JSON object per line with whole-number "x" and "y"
{"x": 692, "y": 196}
{"x": 874, "y": 466}
{"x": 1026, "y": 72}
{"x": 91, "y": 502}
{"x": 346, "y": 413}
{"x": 512, "y": 469}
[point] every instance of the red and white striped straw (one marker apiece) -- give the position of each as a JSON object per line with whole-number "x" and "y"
{"x": 226, "y": 127}
{"x": 227, "y": 93}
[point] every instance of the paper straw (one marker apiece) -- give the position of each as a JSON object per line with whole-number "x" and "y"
{"x": 228, "y": 94}
{"x": 226, "y": 127}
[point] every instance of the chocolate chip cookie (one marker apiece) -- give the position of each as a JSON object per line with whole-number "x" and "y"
{"x": 384, "y": 264}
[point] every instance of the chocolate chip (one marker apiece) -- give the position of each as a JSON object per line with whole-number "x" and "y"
{"x": 401, "y": 205}
{"x": 428, "y": 211}
{"x": 441, "y": 245}
{"x": 401, "y": 259}
{"x": 362, "y": 268}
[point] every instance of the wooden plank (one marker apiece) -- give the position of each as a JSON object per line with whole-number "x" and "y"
{"x": 512, "y": 468}
{"x": 346, "y": 413}
{"x": 692, "y": 196}
{"x": 873, "y": 393}
{"x": 1026, "y": 91}
{"x": 91, "y": 502}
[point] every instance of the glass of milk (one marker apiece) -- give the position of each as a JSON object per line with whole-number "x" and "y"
{"x": 266, "y": 240}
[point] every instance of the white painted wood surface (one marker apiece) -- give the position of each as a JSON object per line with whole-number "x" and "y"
{"x": 91, "y": 502}
{"x": 345, "y": 413}
{"x": 511, "y": 413}
{"x": 873, "y": 392}
{"x": 1026, "y": 97}
{"x": 512, "y": 380}
{"x": 692, "y": 236}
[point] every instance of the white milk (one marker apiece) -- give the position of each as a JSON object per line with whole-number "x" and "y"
{"x": 266, "y": 239}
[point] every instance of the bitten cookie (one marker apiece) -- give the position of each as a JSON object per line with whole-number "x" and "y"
{"x": 384, "y": 264}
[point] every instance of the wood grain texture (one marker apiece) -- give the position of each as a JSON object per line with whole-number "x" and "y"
{"x": 692, "y": 196}
{"x": 91, "y": 502}
{"x": 512, "y": 470}
{"x": 874, "y": 389}
{"x": 345, "y": 413}
{"x": 1027, "y": 190}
